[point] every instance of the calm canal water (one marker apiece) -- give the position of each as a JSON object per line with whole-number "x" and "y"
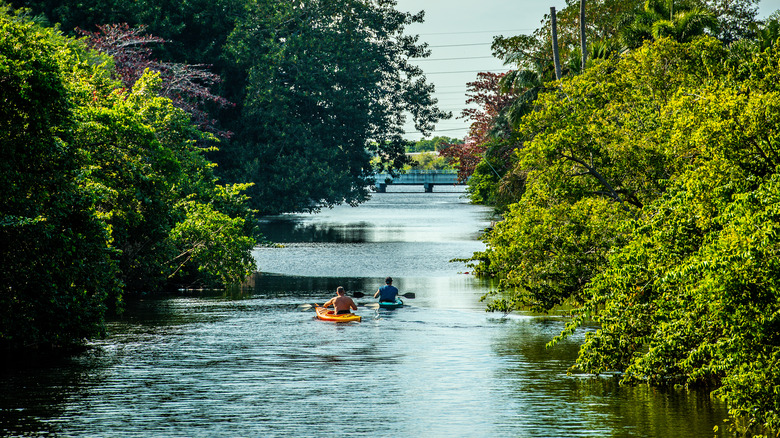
{"x": 254, "y": 365}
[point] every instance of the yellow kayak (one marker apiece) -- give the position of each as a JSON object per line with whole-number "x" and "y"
{"x": 327, "y": 315}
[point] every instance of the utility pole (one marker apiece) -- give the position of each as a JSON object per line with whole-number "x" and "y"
{"x": 583, "y": 43}
{"x": 556, "y": 60}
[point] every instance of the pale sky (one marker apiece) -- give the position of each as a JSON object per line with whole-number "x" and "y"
{"x": 464, "y": 29}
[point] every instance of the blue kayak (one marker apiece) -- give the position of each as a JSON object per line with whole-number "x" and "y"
{"x": 391, "y": 305}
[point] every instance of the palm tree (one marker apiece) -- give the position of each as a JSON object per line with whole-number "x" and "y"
{"x": 662, "y": 18}
{"x": 526, "y": 85}
{"x": 768, "y": 35}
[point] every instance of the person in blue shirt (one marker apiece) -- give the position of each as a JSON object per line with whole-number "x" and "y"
{"x": 388, "y": 292}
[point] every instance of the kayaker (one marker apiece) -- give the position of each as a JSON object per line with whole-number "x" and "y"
{"x": 341, "y": 302}
{"x": 388, "y": 292}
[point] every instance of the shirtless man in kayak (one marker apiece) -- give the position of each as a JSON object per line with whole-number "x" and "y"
{"x": 341, "y": 303}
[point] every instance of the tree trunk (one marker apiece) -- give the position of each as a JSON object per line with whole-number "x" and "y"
{"x": 556, "y": 60}
{"x": 583, "y": 42}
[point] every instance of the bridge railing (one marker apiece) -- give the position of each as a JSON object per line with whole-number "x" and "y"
{"x": 426, "y": 178}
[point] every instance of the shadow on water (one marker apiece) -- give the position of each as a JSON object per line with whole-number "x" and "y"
{"x": 292, "y": 230}
{"x": 263, "y": 285}
{"x": 251, "y": 362}
{"x": 576, "y": 403}
{"x": 35, "y": 390}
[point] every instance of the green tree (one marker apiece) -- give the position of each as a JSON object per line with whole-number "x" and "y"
{"x": 432, "y": 145}
{"x": 428, "y": 161}
{"x": 319, "y": 87}
{"x": 55, "y": 260}
{"x": 143, "y": 153}
{"x": 328, "y": 85}
{"x": 581, "y": 145}
{"x": 681, "y": 21}
{"x": 693, "y": 298}
{"x": 107, "y": 192}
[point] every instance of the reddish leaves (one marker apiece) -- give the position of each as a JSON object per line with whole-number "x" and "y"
{"x": 485, "y": 93}
{"x": 186, "y": 85}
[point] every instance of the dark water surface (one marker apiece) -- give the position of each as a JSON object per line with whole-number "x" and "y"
{"x": 252, "y": 364}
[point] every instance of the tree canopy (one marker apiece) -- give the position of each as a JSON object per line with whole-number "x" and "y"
{"x": 103, "y": 188}
{"x": 641, "y": 194}
{"x": 320, "y": 87}
{"x": 328, "y": 85}
{"x": 143, "y": 152}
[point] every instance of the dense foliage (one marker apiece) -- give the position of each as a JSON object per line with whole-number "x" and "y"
{"x": 328, "y": 85}
{"x": 107, "y": 154}
{"x": 428, "y": 161}
{"x": 56, "y": 263}
{"x": 320, "y": 87}
{"x": 693, "y": 297}
{"x": 646, "y": 197}
{"x": 106, "y": 192}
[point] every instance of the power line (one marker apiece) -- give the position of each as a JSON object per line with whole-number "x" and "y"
{"x": 438, "y": 130}
{"x": 476, "y": 31}
{"x": 451, "y": 59}
{"x": 464, "y": 71}
{"x": 460, "y": 45}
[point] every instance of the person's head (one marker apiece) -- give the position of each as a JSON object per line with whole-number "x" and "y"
{"x": 389, "y": 280}
{"x": 340, "y": 290}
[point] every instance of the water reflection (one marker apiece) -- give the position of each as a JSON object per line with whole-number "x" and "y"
{"x": 251, "y": 363}
{"x": 35, "y": 391}
{"x": 572, "y": 404}
{"x": 293, "y": 229}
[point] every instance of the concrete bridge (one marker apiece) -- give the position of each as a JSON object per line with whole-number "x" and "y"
{"x": 425, "y": 178}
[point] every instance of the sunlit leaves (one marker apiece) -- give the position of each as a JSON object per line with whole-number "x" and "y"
{"x": 55, "y": 261}
{"x": 95, "y": 178}
{"x": 693, "y": 297}
{"x": 213, "y": 243}
{"x": 186, "y": 85}
{"x": 546, "y": 251}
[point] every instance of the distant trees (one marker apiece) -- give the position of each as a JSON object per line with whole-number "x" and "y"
{"x": 426, "y": 153}
{"x": 428, "y": 161}
{"x": 431, "y": 145}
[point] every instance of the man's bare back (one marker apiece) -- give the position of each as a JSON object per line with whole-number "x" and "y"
{"x": 341, "y": 303}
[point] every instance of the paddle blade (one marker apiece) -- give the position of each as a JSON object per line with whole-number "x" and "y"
{"x": 371, "y": 305}
{"x": 306, "y": 306}
{"x": 358, "y": 294}
{"x": 408, "y": 295}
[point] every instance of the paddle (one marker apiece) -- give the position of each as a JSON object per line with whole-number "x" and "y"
{"x": 406, "y": 295}
{"x": 309, "y": 306}
{"x": 359, "y": 295}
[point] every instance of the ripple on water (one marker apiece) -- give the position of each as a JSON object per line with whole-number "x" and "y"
{"x": 253, "y": 365}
